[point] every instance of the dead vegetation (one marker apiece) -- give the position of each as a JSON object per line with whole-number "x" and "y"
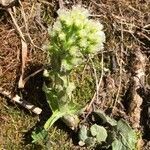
{"x": 123, "y": 89}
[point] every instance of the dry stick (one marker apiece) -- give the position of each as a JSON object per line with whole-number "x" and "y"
{"x": 84, "y": 69}
{"x": 123, "y": 21}
{"x": 99, "y": 5}
{"x": 17, "y": 99}
{"x": 33, "y": 74}
{"x": 26, "y": 26}
{"x": 87, "y": 108}
{"x": 61, "y": 4}
{"x": 96, "y": 79}
{"x": 120, "y": 72}
{"x": 38, "y": 16}
{"x": 132, "y": 25}
{"x": 132, "y": 33}
{"x": 45, "y": 2}
{"x": 145, "y": 36}
{"x": 15, "y": 23}
{"x": 146, "y": 26}
{"x": 24, "y": 49}
{"x": 96, "y": 15}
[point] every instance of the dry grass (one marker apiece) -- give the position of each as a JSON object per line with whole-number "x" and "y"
{"x": 127, "y": 28}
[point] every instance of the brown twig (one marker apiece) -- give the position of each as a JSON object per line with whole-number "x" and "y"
{"x": 61, "y": 4}
{"x": 33, "y": 74}
{"x": 17, "y": 99}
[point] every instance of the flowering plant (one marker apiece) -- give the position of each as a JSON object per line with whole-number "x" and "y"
{"x": 74, "y": 37}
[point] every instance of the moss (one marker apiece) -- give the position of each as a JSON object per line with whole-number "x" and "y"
{"x": 85, "y": 81}
{"x": 14, "y": 123}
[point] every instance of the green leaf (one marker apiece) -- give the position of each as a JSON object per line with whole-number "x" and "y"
{"x": 70, "y": 89}
{"x": 127, "y": 135}
{"x": 51, "y": 98}
{"x": 68, "y": 109}
{"x": 83, "y": 135}
{"x": 117, "y": 145}
{"x": 39, "y": 135}
{"x": 94, "y": 129}
{"x": 105, "y": 118}
{"x": 90, "y": 141}
{"x": 55, "y": 116}
{"x": 71, "y": 118}
{"x": 111, "y": 136}
{"x": 100, "y": 132}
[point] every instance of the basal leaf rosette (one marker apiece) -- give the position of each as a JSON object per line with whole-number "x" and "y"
{"x": 74, "y": 35}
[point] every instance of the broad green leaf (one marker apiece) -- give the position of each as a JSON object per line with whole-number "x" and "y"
{"x": 100, "y": 132}
{"x": 111, "y": 136}
{"x": 83, "y": 135}
{"x": 94, "y": 129}
{"x": 117, "y": 145}
{"x": 126, "y": 135}
{"x": 105, "y": 118}
{"x": 51, "y": 98}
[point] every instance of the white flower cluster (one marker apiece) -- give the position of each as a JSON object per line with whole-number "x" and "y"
{"x": 74, "y": 35}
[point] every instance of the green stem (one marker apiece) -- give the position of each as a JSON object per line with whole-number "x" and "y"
{"x": 55, "y": 116}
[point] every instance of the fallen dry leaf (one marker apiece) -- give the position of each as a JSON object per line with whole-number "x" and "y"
{"x": 21, "y": 82}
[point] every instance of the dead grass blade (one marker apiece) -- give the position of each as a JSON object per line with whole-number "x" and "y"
{"x": 23, "y": 50}
{"x": 32, "y": 75}
{"x": 21, "y": 82}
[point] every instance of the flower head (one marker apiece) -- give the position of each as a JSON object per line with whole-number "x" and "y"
{"x": 75, "y": 35}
